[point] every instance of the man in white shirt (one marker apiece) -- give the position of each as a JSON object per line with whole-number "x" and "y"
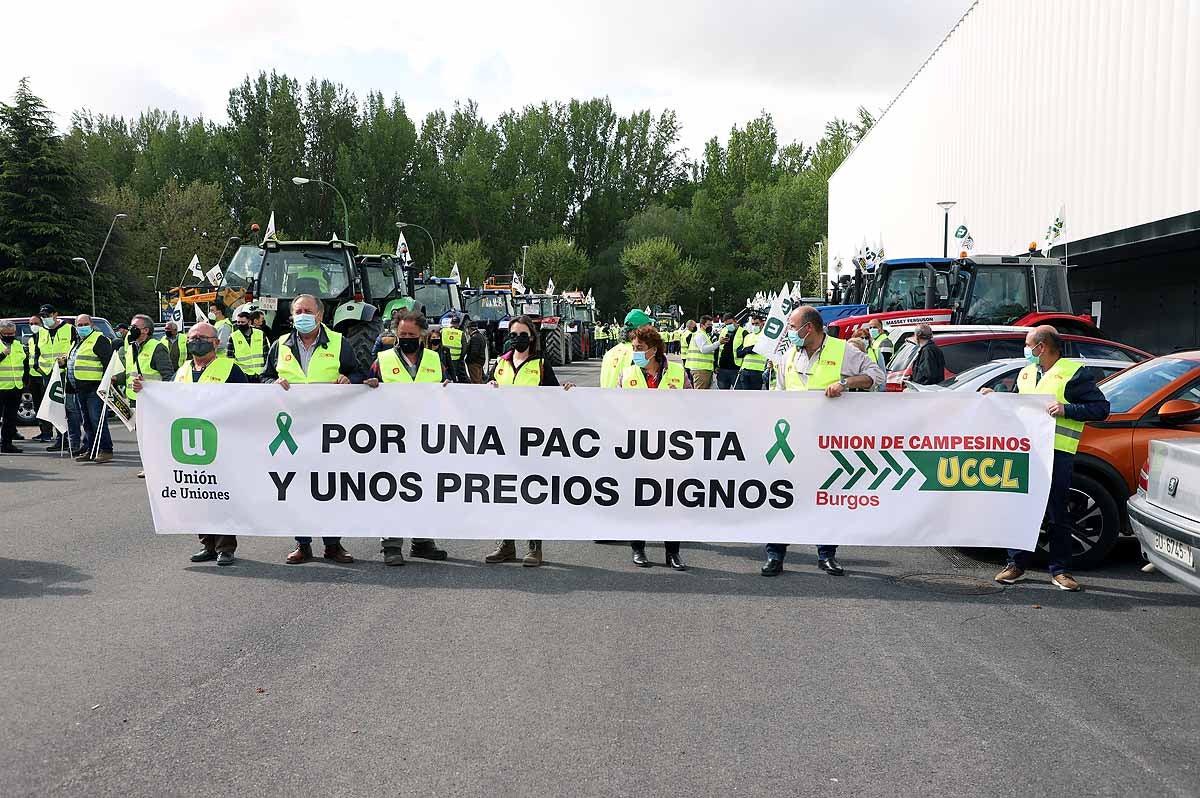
{"x": 699, "y": 357}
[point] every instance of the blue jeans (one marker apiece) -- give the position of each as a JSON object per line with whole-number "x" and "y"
{"x": 749, "y": 381}
{"x": 91, "y": 407}
{"x": 326, "y": 541}
{"x": 777, "y": 551}
{"x": 1058, "y": 525}
{"x": 74, "y": 422}
{"x": 726, "y": 378}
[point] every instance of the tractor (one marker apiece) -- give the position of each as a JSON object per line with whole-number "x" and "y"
{"x": 437, "y": 297}
{"x": 580, "y": 313}
{"x": 491, "y": 308}
{"x": 547, "y": 311}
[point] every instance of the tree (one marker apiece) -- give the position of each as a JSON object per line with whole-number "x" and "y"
{"x": 558, "y": 259}
{"x": 656, "y": 271}
{"x": 471, "y": 260}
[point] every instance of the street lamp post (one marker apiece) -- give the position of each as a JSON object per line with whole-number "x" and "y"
{"x": 157, "y": 272}
{"x": 92, "y": 269}
{"x": 300, "y": 181}
{"x": 432, "y": 246}
{"x": 946, "y": 206}
{"x": 524, "y": 252}
{"x": 712, "y": 300}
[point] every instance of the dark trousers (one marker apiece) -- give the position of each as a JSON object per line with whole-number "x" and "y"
{"x": 1058, "y": 524}
{"x": 326, "y": 541}
{"x": 398, "y": 543}
{"x": 726, "y": 378}
{"x": 220, "y": 542}
{"x": 777, "y": 551}
{"x": 91, "y": 408}
{"x": 670, "y": 546}
{"x": 475, "y": 371}
{"x": 10, "y": 401}
{"x": 749, "y": 381}
{"x": 37, "y": 387}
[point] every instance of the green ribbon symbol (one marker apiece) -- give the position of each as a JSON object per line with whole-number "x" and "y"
{"x": 782, "y": 428}
{"x": 283, "y": 422}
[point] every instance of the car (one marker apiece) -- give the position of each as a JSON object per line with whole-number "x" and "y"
{"x": 27, "y": 410}
{"x": 964, "y": 349}
{"x": 1001, "y": 375}
{"x": 1165, "y": 512}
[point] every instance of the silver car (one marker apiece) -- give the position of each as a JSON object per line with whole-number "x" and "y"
{"x": 1001, "y": 375}
{"x": 1165, "y": 511}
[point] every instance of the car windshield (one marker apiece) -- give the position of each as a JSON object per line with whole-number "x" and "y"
{"x": 435, "y": 298}
{"x": 1000, "y": 295}
{"x": 489, "y": 307}
{"x": 904, "y": 289}
{"x": 1052, "y": 289}
{"x": 243, "y": 265}
{"x": 288, "y": 272}
{"x": 1125, "y": 390}
{"x": 535, "y": 306}
{"x": 382, "y": 280}
{"x": 967, "y": 376}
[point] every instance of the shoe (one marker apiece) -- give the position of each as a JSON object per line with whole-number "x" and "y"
{"x": 772, "y": 567}
{"x": 40, "y": 439}
{"x": 337, "y": 554}
{"x": 639, "y": 558}
{"x": 302, "y": 553}
{"x": 56, "y": 446}
{"x": 9, "y": 450}
{"x": 675, "y": 562}
{"x": 224, "y": 558}
{"x": 204, "y": 555}
{"x": 1010, "y": 575}
{"x": 83, "y": 457}
{"x": 1149, "y": 568}
{"x": 533, "y": 558}
{"x": 505, "y": 550}
{"x": 831, "y": 567}
{"x": 18, "y": 436}
{"x": 426, "y": 551}
{"x": 79, "y": 453}
{"x": 393, "y": 556}
{"x": 141, "y": 475}
{"x": 105, "y": 457}
{"x": 1065, "y": 582}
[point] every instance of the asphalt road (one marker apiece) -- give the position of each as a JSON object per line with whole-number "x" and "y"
{"x": 126, "y": 670}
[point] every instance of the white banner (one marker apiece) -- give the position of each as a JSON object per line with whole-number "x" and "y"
{"x": 53, "y": 408}
{"x": 589, "y": 464}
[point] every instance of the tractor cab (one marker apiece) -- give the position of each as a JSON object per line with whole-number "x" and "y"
{"x": 386, "y": 283}
{"x": 546, "y": 311}
{"x": 491, "y": 308}
{"x": 437, "y": 296}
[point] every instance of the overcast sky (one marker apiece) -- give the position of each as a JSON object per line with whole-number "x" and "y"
{"x": 716, "y": 63}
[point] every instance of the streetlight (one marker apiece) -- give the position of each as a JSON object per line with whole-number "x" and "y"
{"x": 946, "y": 206}
{"x": 300, "y": 181}
{"x": 92, "y": 269}
{"x": 524, "y": 252}
{"x": 402, "y": 225}
{"x": 158, "y": 270}
{"x": 712, "y": 300}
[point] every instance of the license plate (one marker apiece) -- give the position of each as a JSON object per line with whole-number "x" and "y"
{"x": 1173, "y": 549}
{"x": 268, "y": 303}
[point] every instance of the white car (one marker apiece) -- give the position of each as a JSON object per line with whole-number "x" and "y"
{"x": 1001, "y": 375}
{"x": 1165, "y": 511}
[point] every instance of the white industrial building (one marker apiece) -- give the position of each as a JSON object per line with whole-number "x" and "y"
{"x": 1029, "y": 106}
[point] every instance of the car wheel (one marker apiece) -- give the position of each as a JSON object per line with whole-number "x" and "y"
{"x": 1095, "y": 522}
{"x": 26, "y": 411}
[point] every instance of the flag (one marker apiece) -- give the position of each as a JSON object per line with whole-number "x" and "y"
{"x": 772, "y": 342}
{"x": 965, "y": 241}
{"x": 402, "y": 248}
{"x": 1054, "y": 231}
{"x": 590, "y": 299}
{"x": 53, "y": 408}
{"x": 454, "y": 273}
{"x": 270, "y": 227}
{"x": 177, "y": 313}
{"x": 550, "y": 287}
{"x": 114, "y": 398}
{"x": 214, "y": 275}
{"x": 200, "y": 316}
{"x": 468, "y": 282}
{"x": 194, "y": 268}
{"x": 519, "y": 285}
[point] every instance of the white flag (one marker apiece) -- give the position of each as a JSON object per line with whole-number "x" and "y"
{"x": 454, "y": 273}
{"x": 53, "y": 409}
{"x": 1054, "y": 231}
{"x": 519, "y": 285}
{"x": 772, "y": 342}
{"x": 468, "y": 282}
{"x": 177, "y": 313}
{"x": 214, "y": 275}
{"x": 194, "y": 268}
{"x": 550, "y": 287}
{"x": 590, "y": 299}
{"x": 270, "y": 227}
{"x": 114, "y": 398}
{"x": 200, "y": 316}
{"x": 402, "y": 248}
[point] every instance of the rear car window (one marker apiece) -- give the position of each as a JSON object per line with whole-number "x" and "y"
{"x": 903, "y": 357}
{"x": 1104, "y": 352}
{"x": 1132, "y": 386}
{"x": 965, "y": 354}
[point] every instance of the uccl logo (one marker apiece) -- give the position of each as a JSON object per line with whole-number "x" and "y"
{"x": 193, "y": 441}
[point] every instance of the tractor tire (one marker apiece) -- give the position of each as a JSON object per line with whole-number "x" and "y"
{"x": 362, "y": 335}
{"x": 577, "y": 346}
{"x": 552, "y": 347}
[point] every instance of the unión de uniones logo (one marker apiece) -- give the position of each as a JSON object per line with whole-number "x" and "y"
{"x": 193, "y": 441}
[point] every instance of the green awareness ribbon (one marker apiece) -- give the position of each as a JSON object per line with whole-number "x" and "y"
{"x": 283, "y": 422}
{"x": 782, "y": 428}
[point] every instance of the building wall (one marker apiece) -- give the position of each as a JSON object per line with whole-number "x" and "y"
{"x": 1027, "y": 106}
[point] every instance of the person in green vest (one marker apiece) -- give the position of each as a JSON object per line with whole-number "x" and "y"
{"x": 83, "y": 369}
{"x": 13, "y": 372}
{"x": 454, "y": 340}
{"x": 815, "y": 361}
{"x": 52, "y": 341}
{"x": 621, "y": 355}
{"x": 881, "y": 343}
{"x": 699, "y": 360}
{"x": 248, "y": 347}
{"x": 750, "y": 378}
{"x": 144, "y": 355}
{"x": 217, "y": 315}
{"x": 205, "y": 366}
{"x": 1075, "y": 399}
{"x": 176, "y": 346}
{"x": 312, "y": 353}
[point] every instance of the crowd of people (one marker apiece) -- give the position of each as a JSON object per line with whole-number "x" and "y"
{"x": 709, "y": 353}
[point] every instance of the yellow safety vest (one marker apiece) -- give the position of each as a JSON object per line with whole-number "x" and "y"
{"x": 673, "y": 379}
{"x": 826, "y": 371}
{"x": 695, "y": 360}
{"x": 452, "y": 339}
{"x": 140, "y": 365}
{"x": 52, "y": 344}
{"x": 738, "y": 335}
{"x": 324, "y": 366}
{"x": 753, "y": 361}
{"x": 217, "y": 371}
{"x": 614, "y": 362}
{"x": 181, "y": 349}
{"x": 12, "y": 367}
{"x": 1067, "y": 432}
{"x": 88, "y": 367}
{"x": 686, "y": 338}
{"x": 249, "y": 354}
{"x": 529, "y": 374}
{"x": 877, "y": 345}
{"x": 601, "y": 333}
{"x": 429, "y": 369}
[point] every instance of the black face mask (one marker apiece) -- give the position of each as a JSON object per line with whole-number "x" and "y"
{"x": 521, "y": 342}
{"x": 434, "y": 343}
{"x": 8, "y": 338}
{"x": 199, "y": 347}
{"x": 408, "y": 346}
{"x": 243, "y": 328}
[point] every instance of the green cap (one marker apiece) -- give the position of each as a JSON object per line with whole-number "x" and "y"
{"x": 637, "y": 318}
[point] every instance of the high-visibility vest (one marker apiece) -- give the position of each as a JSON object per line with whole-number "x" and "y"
{"x": 52, "y": 344}
{"x": 217, "y": 371}
{"x": 686, "y": 338}
{"x": 88, "y": 367}
{"x": 673, "y": 379}
{"x": 601, "y": 333}
{"x": 429, "y": 368}
{"x": 249, "y": 354}
{"x": 876, "y": 349}
{"x": 452, "y": 339}
{"x": 614, "y": 362}
{"x": 738, "y": 335}
{"x": 180, "y": 350}
{"x": 695, "y": 360}
{"x": 12, "y": 367}
{"x": 324, "y": 366}
{"x": 140, "y": 365}
{"x": 826, "y": 371}
{"x": 753, "y": 361}
{"x": 1067, "y": 432}
{"x": 530, "y": 372}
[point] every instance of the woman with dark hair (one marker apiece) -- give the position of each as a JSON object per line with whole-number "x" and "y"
{"x": 522, "y": 365}
{"x": 651, "y": 369}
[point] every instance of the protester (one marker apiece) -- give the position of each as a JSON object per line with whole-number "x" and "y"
{"x": 84, "y": 368}
{"x": 217, "y": 315}
{"x": 433, "y": 340}
{"x": 145, "y": 355}
{"x": 176, "y": 348}
{"x": 750, "y": 376}
{"x": 36, "y": 382}
{"x": 881, "y": 343}
{"x": 621, "y": 355}
{"x": 454, "y": 341}
{"x": 54, "y": 341}
{"x": 13, "y": 373}
{"x": 1076, "y": 399}
{"x": 729, "y": 362}
{"x": 247, "y": 347}
{"x": 699, "y": 359}
{"x": 476, "y": 356}
{"x": 312, "y": 353}
{"x": 815, "y": 361}
{"x": 522, "y": 365}
{"x": 929, "y": 366}
{"x": 859, "y": 342}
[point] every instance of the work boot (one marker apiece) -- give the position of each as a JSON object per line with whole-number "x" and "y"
{"x": 302, "y": 553}
{"x": 534, "y": 557}
{"x": 338, "y": 554}
{"x": 505, "y": 550}
{"x": 640, "y": 559}
{"x": 1010, "y": 575}
{"x": 204, "y": 555}
{"x": 393, "y": 556}
{"x": 83, "y": 457}
{"x": 9, "y": 449}
{"x": 103, "y": 457}
{"x": 426, "y": 550}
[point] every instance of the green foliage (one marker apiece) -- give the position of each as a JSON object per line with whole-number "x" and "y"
{"x": 655, "y": 270}
{"x": 560, "y": 259}
{"x": 472, "y": 261}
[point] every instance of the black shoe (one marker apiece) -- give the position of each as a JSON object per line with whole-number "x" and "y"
{"x": 639, "y": 558}
{"x": 772, "y": 567}
{"x": 56, "y": 447}
{"x": 831, "y": 567}
{"x": 675, "y": 562}
{"x": 427, "y": 551}
{"x": 40, "y": 439}
{"x": 18, "y": 436}
{"x": 81, "y": 453}
{"x": 10, "y": 449}
{"x": 225, "y": 558}
{"x": 204, "y": 555}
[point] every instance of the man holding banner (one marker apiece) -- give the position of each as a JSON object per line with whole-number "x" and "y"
{"x": 815, "y": 361}
{"x": 12, "y": 382}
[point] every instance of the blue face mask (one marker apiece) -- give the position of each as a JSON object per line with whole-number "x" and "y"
{"x": 83, "y": 330}
{"x": 640, "y": 360}
{"x": 304, "y": 323}
{"x": 873, "y": 332}
{"x": 795, "y": 338}
{"x": 1030, "y": 356}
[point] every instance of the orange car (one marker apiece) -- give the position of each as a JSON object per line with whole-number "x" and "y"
{"x": 1154, "y": 400}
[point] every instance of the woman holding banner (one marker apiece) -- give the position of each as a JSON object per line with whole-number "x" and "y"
{"x": 522, "y": 365}
{"x": 651, "y": 369}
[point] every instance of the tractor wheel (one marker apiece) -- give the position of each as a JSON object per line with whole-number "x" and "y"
{"x": 576, "y": 346}
{"x": 362, "y": 335}
{"x": 552, "y": 346}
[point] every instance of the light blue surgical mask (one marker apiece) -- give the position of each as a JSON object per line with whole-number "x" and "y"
{"x": 304, "y": 323}
{"x": 873, "y": 332}
{"x": 83, "y": 330}
{"x": 795, "y": 338}
{"x": 730, "y": 328}
{"x": 640, "y": 360}
{"x": 753, "y": 329}
{"x": 1030, "y": 356}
